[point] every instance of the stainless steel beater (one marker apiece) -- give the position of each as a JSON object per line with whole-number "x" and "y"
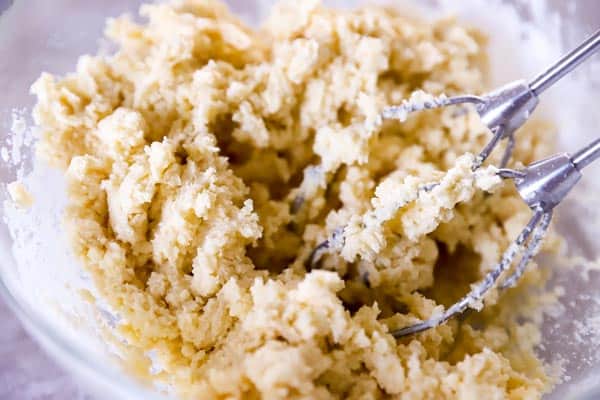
{"x": 504, "y": 110}
{"x": 542, "y": 185}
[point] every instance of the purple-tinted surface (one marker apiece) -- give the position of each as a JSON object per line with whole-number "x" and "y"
{"x": 26, "y": 372}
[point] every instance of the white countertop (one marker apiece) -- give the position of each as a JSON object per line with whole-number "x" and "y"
{"x": 26, "y": 372}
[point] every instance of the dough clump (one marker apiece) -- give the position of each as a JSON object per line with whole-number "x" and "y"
{"x": 19, "y": 194}
{"x": 205, "y": 160}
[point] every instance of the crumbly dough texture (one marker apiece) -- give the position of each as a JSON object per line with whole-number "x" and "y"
{"x": 205, "y": 160}
{"x": 19, "y": 194}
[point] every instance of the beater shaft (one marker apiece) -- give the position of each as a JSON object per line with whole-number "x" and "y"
{"x": 566, "y": 64}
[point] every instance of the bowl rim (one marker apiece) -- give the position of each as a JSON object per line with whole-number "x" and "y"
{"x": 69, "y": 355}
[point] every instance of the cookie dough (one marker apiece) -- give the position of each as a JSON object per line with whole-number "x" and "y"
{"x": 206, "y": 159}
{"x": 19, "y": 194}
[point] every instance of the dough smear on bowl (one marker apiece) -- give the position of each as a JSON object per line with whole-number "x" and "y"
{"x": 205, "y": 160}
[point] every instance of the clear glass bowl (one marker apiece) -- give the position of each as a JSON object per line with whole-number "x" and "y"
{"x": 41, "y": 282}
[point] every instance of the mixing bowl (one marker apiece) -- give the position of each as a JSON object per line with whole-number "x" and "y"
{"x": 45, "y": 286}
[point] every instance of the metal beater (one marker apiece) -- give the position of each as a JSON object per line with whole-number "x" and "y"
{"x": 542, "y": 185}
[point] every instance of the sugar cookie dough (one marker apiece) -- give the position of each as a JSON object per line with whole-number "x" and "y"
{"x": 19, "y": 194}
{"x": 205, "y": 160}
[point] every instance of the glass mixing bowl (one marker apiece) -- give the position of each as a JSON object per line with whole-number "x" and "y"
{"x": 42, "y": 283}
